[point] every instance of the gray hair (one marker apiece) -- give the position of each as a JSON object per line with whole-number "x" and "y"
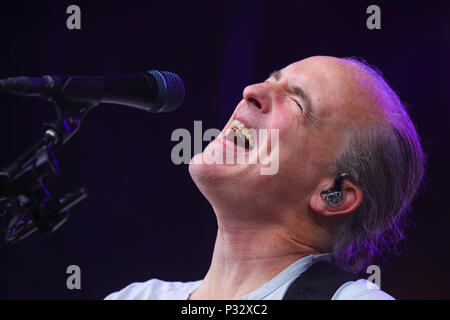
{"x": 386, "y": 161}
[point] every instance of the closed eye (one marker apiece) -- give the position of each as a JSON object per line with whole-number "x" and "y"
{"x": 300, "y": 106}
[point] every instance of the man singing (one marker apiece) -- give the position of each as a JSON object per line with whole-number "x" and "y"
{"x": 349, "y": 163}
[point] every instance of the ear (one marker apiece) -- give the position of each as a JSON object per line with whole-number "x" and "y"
{"x": 352, "y": 198}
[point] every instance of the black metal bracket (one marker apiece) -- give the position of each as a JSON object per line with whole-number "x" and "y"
{"x": 25, "y": 203}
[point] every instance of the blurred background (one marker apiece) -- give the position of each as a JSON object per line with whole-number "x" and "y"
{"x": 144, "y": 217}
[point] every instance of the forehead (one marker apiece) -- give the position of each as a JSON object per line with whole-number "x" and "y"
{"x": 336, "y": 86}
{"x": 328, "y": 71}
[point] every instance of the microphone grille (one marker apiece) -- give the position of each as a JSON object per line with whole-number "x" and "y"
{"x": 170, "y": 90}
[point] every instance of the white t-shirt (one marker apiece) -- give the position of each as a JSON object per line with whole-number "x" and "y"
{"x": 275, "y": 289}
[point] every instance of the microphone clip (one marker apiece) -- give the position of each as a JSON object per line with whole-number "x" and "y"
{"x": 26, "y": 205}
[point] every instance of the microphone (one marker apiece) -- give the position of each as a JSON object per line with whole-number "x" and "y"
{"x": 153, "y": 91}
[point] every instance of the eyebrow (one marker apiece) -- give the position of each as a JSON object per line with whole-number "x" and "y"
{"x": 275, "y": 74}
{"x": 298, "y": 91}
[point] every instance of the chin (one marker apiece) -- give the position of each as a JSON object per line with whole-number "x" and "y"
{"x": 204, "y": 171}
{"x": 228, "y": 185}
{"x": 217, "y": 180}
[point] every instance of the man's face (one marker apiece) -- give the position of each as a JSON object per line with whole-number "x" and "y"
{"x": 308, "y": 104}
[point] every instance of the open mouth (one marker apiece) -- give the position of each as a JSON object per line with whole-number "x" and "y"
{"x": 240, "y": 135}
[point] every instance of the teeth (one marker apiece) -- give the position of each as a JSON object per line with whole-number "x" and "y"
{"x": 241, "y": 128}
{"x": 237, "y": 124}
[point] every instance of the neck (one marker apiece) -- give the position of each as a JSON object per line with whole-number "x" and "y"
{"x": 246, "y": 256}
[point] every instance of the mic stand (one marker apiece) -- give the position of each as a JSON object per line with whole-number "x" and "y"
{"x": 26, "y": 204}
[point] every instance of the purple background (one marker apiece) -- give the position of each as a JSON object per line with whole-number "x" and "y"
{"x": 144, "y": 217}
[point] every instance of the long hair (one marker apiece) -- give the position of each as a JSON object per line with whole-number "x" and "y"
{"x": 386, "y": 162}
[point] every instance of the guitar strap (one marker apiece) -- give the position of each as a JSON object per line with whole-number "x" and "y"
{"x": 319, "y": 282}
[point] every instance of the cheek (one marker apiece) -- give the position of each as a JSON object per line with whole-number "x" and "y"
{"x": 292, "y": 133}
{"x": 285, "y": 123}
{"x": 301, "y": 150}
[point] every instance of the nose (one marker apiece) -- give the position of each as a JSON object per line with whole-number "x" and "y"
{"x": 259, "y": 95}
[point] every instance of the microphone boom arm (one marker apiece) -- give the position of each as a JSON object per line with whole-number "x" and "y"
{"x": 26, "y": 204}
